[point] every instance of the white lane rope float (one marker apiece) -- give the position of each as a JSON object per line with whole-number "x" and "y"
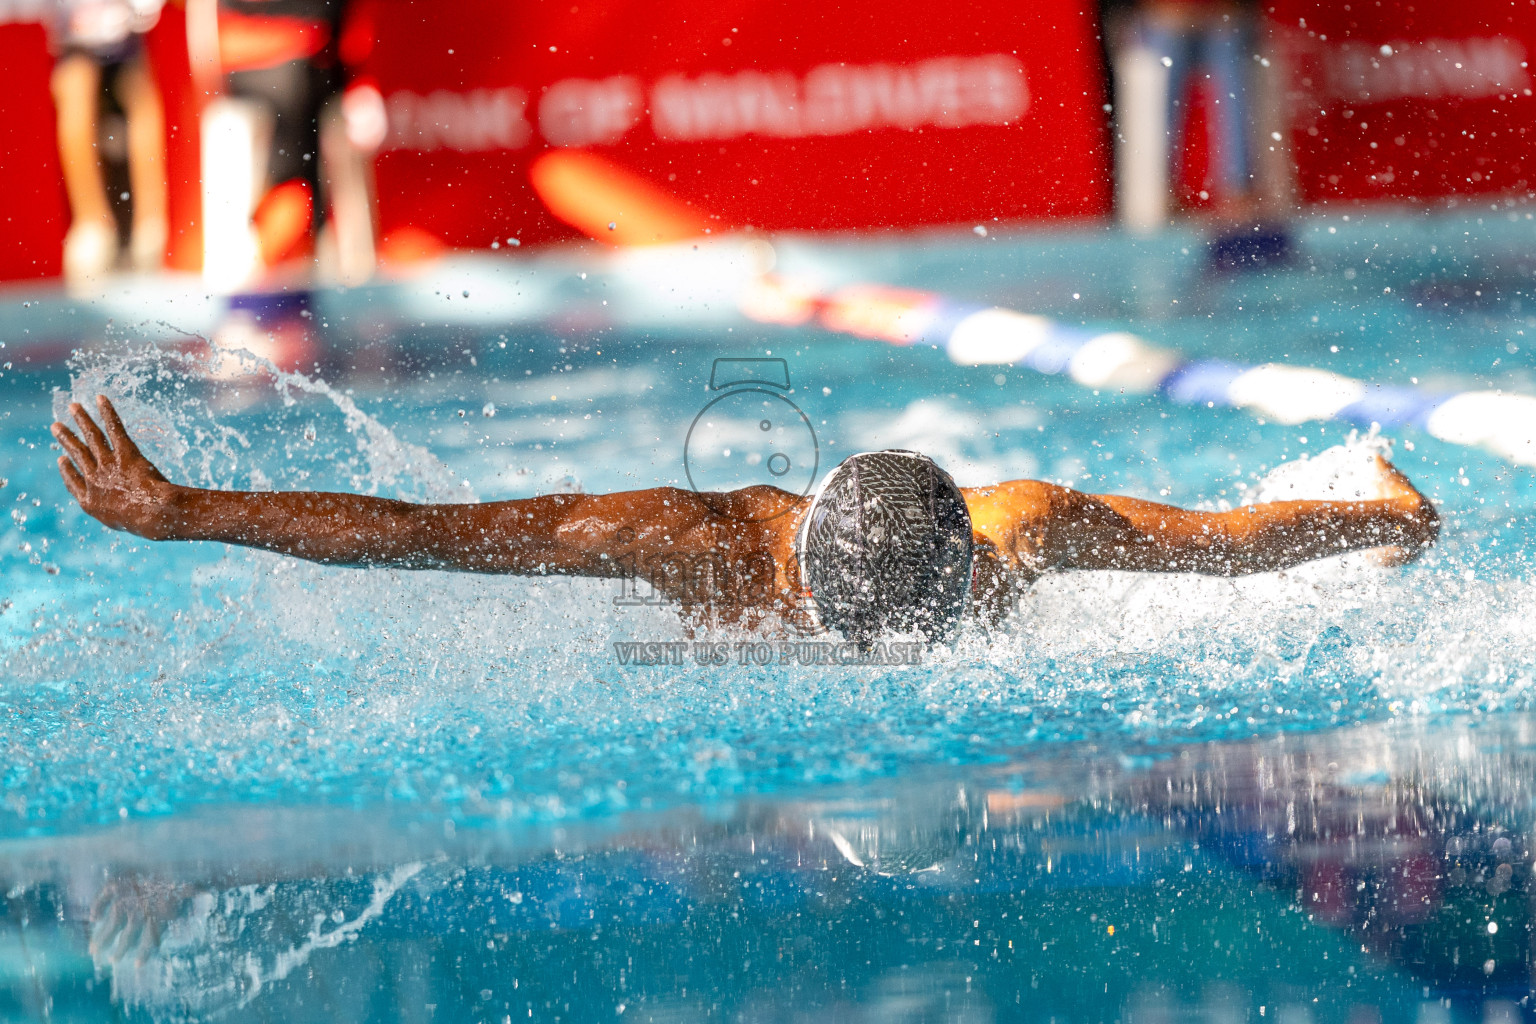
{"x": 973, "y": 335}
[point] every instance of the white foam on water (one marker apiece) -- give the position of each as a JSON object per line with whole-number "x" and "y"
{"x": 1344, "y": 472}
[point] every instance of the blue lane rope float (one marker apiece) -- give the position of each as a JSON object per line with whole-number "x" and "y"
{"x": 974, "y": 335}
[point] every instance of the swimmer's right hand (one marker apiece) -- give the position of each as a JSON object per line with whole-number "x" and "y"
{"x": 1420, "y": 522}
{"x": 110, "y": 478}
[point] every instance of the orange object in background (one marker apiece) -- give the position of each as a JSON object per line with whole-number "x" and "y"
{"x": 409, "y": 245}
{"x": 263, "y": 41}
{"x": 609, "y": 203}
{"x": 282, "y": 221}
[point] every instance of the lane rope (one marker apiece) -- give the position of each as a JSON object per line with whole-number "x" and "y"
{"x": 974, "y": 335}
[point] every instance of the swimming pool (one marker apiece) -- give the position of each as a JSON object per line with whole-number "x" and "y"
{"x": 239, "y": 785}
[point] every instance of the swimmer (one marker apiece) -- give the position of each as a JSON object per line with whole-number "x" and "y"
{"x": 888, "y": 544}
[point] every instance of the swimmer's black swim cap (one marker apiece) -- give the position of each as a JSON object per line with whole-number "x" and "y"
{"x": 886, "y": 547}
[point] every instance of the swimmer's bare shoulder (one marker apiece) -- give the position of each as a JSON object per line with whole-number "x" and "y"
{"x": 1033, "y": 527}
{"x": 650, "y": 533}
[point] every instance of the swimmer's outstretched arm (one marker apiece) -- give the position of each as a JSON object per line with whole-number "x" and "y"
{"x": 607, "y": 535}
{"x": 1044, "y": 527}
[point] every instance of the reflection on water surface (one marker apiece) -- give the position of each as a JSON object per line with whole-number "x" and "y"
{"x": 1372, "y": 874}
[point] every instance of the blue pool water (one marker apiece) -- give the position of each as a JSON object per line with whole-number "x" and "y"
{"x": 241, "y": 786}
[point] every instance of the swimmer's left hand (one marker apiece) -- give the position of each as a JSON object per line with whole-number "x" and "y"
{"x": 108, "y": 475}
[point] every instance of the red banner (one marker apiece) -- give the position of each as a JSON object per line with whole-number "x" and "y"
{"x": 1396, "y": 100}
{"x": 785, "y": 114}
{"x": 34, "y": 213}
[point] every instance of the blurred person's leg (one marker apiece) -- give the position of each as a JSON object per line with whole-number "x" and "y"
{"x": 90, "y": 246}
{"x": 140, "y": 97}
{"x": 1147, "y": 60}
{"x": 1274, "y": 163}
{"x": 1224, "y": 44}
{"x": 347, "y": 241}
{"x": 234, "y": 152}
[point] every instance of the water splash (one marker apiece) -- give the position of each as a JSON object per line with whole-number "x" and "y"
{"x": 1344, "y": 472}
{"x": 169, "y": 396}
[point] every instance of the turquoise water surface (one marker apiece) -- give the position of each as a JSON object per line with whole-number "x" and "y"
{"x": 239, "y": 786}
